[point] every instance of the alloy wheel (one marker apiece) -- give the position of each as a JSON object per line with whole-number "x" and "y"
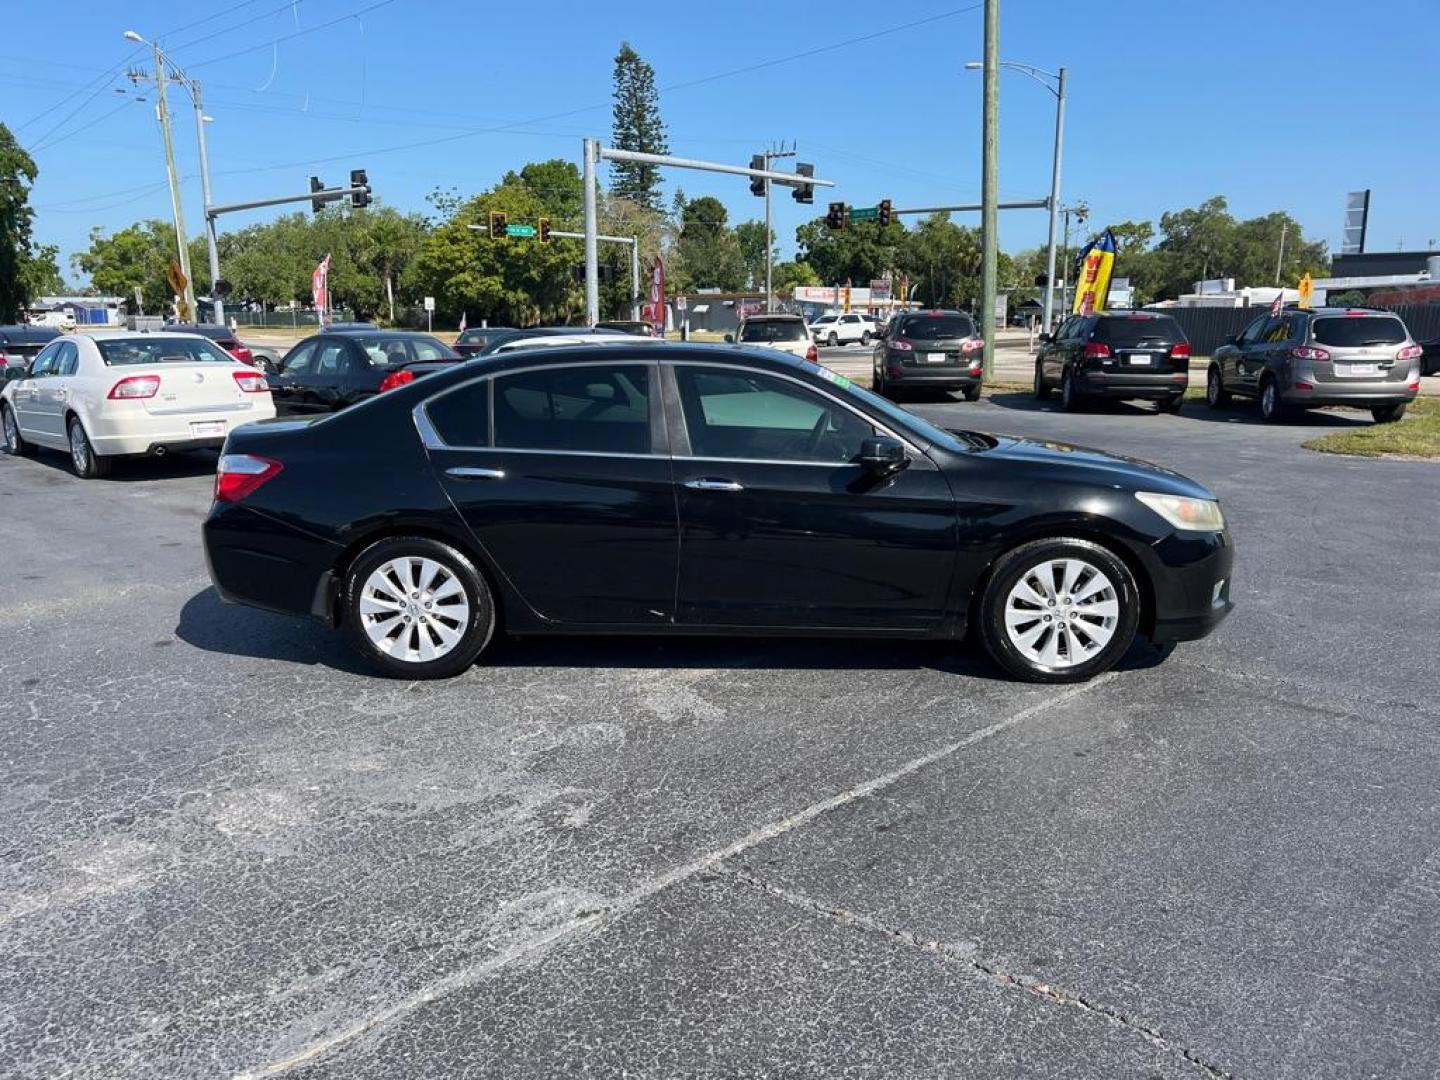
{"x": 414, "y": 609}
{"x": 1062, "y": 612}
{"x": 12, "y": 432}
{"x": 79, "y": 450}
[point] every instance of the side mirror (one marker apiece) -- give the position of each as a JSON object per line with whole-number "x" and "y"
{"x": 883, "y": 455}
{"x": 730, "y": 339}
{"x": 1045, "y": 339}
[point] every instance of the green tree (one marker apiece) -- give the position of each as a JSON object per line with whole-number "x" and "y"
{"x": 637, "y": 126}
{"x": 137, "y": 256}
{"x": 558, "y": 185}
{"x": 706, "y": 254}
{"x": 787, "y": 275}
{"x": 943, "y": 259}
{"x": 752, "y": 237}
{"x": 861, "y": 251}
{"x": 40, "y": 274}
{"x": 17, "y": 177}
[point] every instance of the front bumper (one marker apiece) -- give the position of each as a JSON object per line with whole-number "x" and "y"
{"x": 1134, "y": 384}
{"x": 1191, "y": 579}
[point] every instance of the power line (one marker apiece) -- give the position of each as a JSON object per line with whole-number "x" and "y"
{"x": 37, "y": 148}
{"x": 287, "y": 37}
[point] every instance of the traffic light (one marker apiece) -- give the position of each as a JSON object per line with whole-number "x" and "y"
{"x": 835, "y": 219}
{"x": 1042, "y": 280}
{"x": 885, "y": 215}
{"x": 316, "y": 184}
{"x": 544, "y": 230}
{"x": 757, "y": 183}
{"x": 804, "y": 193}
{"x": 359, "y": 199}
{"x": 498, "y": 224}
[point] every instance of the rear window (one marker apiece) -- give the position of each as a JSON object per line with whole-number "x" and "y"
{"x": 935, "y": 327}
{"x": 773, "y": 330}
{"x": 1129, "y": 330}
{"x": 1356, "y": 331}
{"x": 128, "y": 352}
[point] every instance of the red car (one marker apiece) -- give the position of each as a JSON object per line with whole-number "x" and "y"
{"x": 221, "y": 335}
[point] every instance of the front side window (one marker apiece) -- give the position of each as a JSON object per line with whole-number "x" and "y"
{"x": 68, "y": 360}
{"x": 45, "y": 363}
{"x": 1252, "y": 332}
{"x": 132, "y": 352}
{"x": 301, "y": 360}
{"x": 593, "y": 408}
{"x": 747, "y": 415}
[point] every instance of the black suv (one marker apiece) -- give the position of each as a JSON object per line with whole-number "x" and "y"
{"x": 1118, "y": 354}
{"x": 1302, "y": 358}
{"x": 929, "y": 350}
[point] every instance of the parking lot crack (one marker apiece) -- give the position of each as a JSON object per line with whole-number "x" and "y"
{"x": 964, "y": 959}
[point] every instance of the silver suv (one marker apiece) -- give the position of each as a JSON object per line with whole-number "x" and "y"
{"x": 1326, "y": 356}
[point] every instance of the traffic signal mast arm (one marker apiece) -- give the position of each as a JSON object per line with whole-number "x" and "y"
{"x": 321, "y": 195}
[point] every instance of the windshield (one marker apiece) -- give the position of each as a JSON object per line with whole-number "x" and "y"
{"x": 127, "y": 352}
{"x": 1130, "y": 330}
{"x": 934, "y": 327}
{"x": 773, "y": 330}
{"x": 823, "y": 320}
{"x": 1355, "y": 331}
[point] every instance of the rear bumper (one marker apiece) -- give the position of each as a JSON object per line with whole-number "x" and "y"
{"x": 1131, "y": 384}
{"x": 138, "y": 432}
{"x": 1191, "y": 585}
{"x": 260, "y": 562}
{"x": 1363, "y": 394}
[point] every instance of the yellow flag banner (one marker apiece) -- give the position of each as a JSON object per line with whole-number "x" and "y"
{"x": 1093, "y": 268}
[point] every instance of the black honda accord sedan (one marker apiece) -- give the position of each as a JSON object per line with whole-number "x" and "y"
{"x": 687, "y": 489}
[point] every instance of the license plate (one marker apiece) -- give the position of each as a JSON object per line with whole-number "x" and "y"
{"x": 934, "y": 357}
{"x": 1139, "y": 359}
{"x": 201, "y": 429}
{"x": 1359, "y": 369}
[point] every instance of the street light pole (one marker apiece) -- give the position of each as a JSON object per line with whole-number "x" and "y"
{"x": 210, "y": 240}
{"x": 592, "y": 271}
{"x": 1054, "y": 197}
{"x": 989, "y": 186}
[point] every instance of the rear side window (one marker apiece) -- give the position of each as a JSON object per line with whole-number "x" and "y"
{"x": 932, "y": 328}
{"x": 462, "y": 417}
{"x": 595, "y": 408}
{"x": 1356, "y": 331}
{"x": 426, "y": 349}
{"x": 773, "y": 330}
{"x": 1126, "y": 331}
{"x": 130, "y": 352}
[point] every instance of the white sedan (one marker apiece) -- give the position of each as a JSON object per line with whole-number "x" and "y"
{"x": 102, "y": 395}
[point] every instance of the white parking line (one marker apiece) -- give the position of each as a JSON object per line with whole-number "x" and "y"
{"x": 467, "y": 977}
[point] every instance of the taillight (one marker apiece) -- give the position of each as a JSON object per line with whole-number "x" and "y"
{"x": 1096, "y": 351}
{"x": 1308, "y": 352}
{"x": 901, "y": 346}
{"x": 238, "y": 475}
{"x": 1409, "y": 352}
{"x": 970, "y": 344}
{"x": 135, "y": 386}
{"x": 396, "y": 378}
{"x": 251, "y": 382}
{"x": 1180, "y": 351}
{"x": 241, "y": 353}
{"x": 812, "y": 354}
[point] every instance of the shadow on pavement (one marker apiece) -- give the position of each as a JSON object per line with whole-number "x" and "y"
{"x": 208, "y": 624}
{"x": 128, "y": 470}
{"x": 1194, "y": 409}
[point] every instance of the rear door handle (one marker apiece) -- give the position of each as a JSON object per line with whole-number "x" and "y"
{"x": 714, "y": 485}
{"x": 471, "y": 472}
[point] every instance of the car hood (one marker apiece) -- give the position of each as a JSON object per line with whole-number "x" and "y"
{"x": 1064, "y": 460}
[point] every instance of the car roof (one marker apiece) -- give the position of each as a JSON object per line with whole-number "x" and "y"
{"x": 356, "y": 331}
{"x": 1345, "y": 311}
{"x": 135, "y": 335}
{"x": 1127, "y": 313}
{"x": 774, "y": 316}
{"x": 582, "y": 341}
{"x": 19, "y": 334}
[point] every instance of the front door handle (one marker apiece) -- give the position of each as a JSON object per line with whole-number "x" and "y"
{"x": 714, "y": 485}
{"x": 471, "y": 472}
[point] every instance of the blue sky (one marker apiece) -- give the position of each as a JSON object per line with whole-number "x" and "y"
{"x": 1276, "y": 106}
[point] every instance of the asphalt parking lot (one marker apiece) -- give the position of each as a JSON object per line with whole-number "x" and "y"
{"x": 230, "y": 851}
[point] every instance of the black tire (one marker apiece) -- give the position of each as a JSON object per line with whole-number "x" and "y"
{"x": 1216, "y": 396}
{"x": 1071, "y": 398}
{"x": 1042, "y": 388}
{"x": 865, "y": 337}
{"x": 880, "y": 385}
{"x": 1172, "y": 404}
{"x": 1388, "y": 414}
{"x": 87, "y": 464}
{"x": 1012, "y": 566}
{"x": 972, "y": 393}
{"x": 478, "y": 629}
{"x": 833, "y": 340}
{"x": 1272, "y": 409}
{"x": 14, "y": 444}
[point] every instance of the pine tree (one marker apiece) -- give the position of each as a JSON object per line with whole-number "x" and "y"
{"x": 637, "y": 126}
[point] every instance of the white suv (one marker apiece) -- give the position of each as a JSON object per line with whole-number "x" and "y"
{"x": 843, "y": 329}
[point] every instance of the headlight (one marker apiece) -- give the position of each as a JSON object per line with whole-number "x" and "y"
{"x": 1192, "y": 515}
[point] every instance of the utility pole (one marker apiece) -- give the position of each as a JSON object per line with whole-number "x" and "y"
{"x": 1280, "y": 262}
{"x": 769, "y": 156}
{"x": 1054, "y": 198}
{"x": 989, "y": 186}
{"x": 162, "y": 111}
{"x": 210, "y": 241}
{"x": 592, "y": 276}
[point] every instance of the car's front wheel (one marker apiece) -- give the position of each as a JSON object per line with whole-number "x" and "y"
{"x": 1061, "y": 610}
{"x": 418, "y": 608}
{"x": 1388, "y": 414}
{"x": 1172, "y": 404}
{"x": 865, "y": 338}
{"x": 1216, "y": 396}
{"x": 972, "y": 393}
{"x": 1042, "y": 388}
{"x": 87, "y": 464}
{"x": 14, "y": 444}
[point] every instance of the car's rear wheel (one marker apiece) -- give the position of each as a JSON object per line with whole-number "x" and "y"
{"x": 1071, "y": 399}
{"x": 972, "y": 393}
{"x": 1061, "y": 610}
{"x": 14, "y": 444}
{"x": 417, "y": 608}
{"x": 1272, "y": 409}
{"x": 1216, "y": 396}
{"x": 87, "y": 464}
{"x": 1042, "y": 388}
{"x": 1388, "y": 414}
{"x": 833, "y": 340}
{"x": 865, "y": 337}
